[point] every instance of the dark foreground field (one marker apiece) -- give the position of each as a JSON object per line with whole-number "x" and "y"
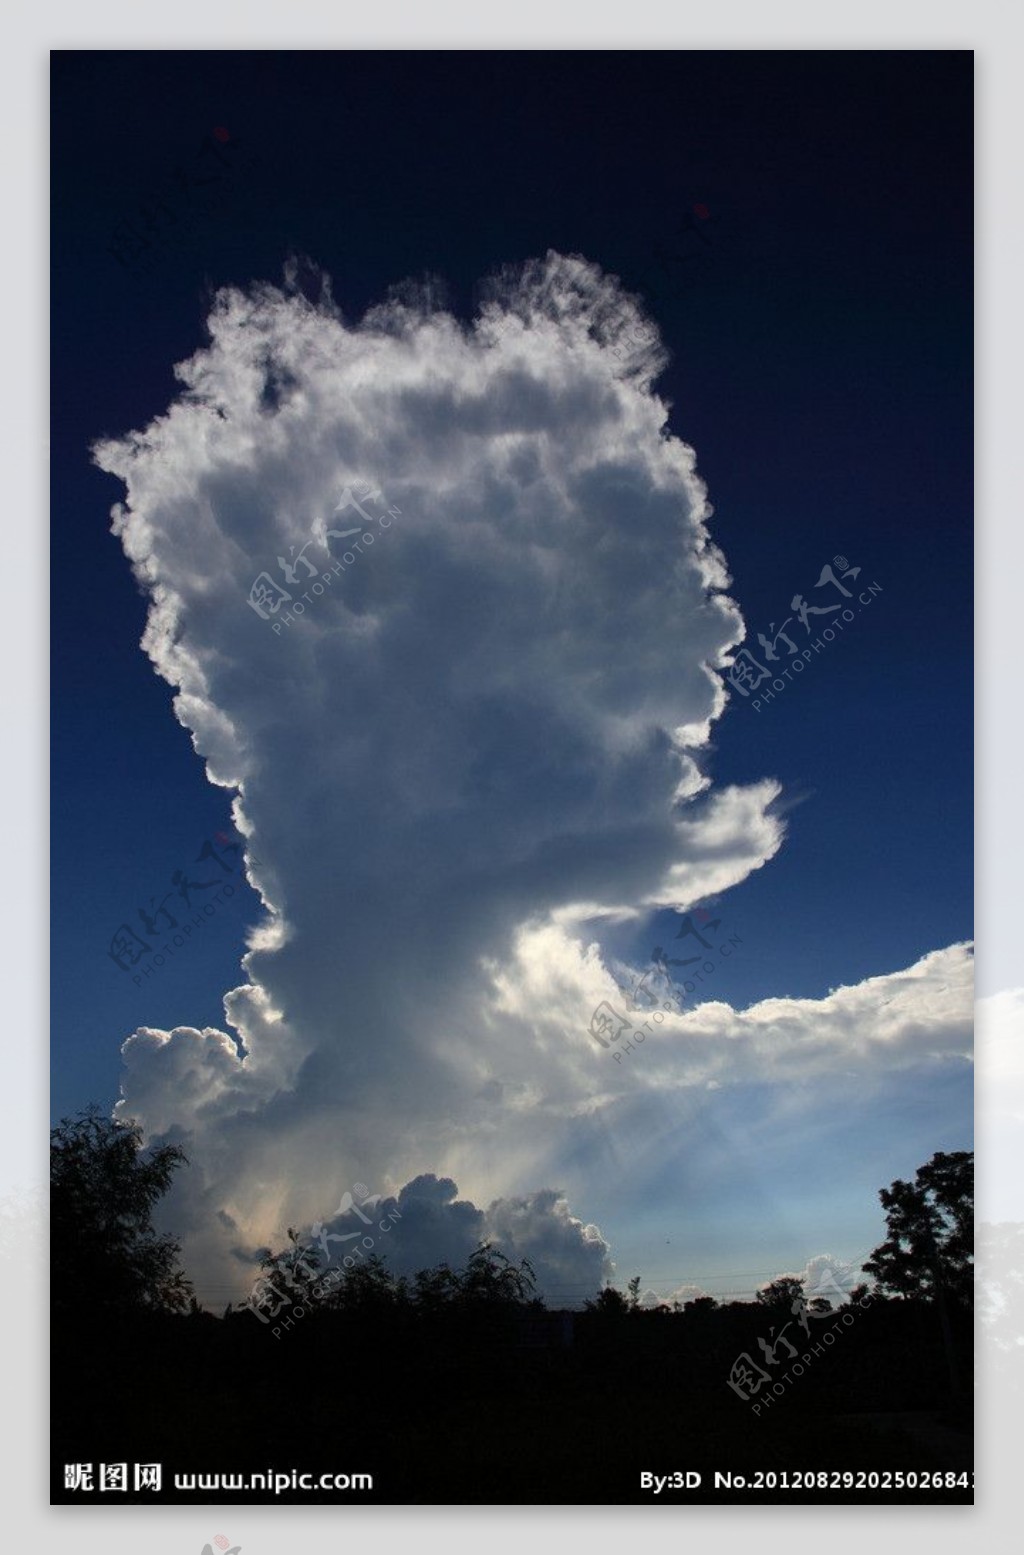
{"x": 510, "y": 1408}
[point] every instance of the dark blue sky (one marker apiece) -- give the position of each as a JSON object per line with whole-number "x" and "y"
{"x": 801, "y": 224}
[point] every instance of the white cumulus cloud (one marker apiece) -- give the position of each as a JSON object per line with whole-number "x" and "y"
{"x": 470, "y": 736}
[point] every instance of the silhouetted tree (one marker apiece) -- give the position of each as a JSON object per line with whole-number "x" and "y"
{"x": 435, "y": 1288}
{"x": 105, "y": 1252}
{"x": 929, "y": 1250}
{"x": 781, "y": 1292}
{"x": 490, "y": 1277}
{"x": 610, "y": 1303}
{"x": 368, "y": 1288}
{"x": 289, "y": 1275}
{"x": 489, "y": 1280}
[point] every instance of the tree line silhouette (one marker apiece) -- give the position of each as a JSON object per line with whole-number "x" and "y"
{"x": 461, "y": 1384}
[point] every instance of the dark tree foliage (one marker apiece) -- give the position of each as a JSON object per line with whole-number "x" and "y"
{"x": 433, "y": 1289}
{"x": 105, "y": 1251}
{"x": 490, "y": 1281}
{"x": 470, "y": 1361}
{"x": 929, "y": 1251}
{"x": 611, "y": 1303}
{"x": 784, "y": 1294}
{"x": 781, "y": 1293}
